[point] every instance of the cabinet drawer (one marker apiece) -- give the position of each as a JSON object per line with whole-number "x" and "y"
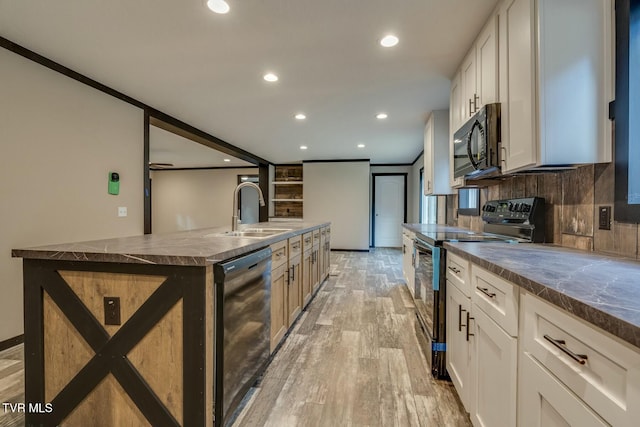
{"x": 279, "y": 254}
{"x": 295, "y": 246}
{"x": 316, "y": 236}
{"x": 496, "y": 297}
{"x": 458, "y": 273}
{"x": 307, "y": 241}
{"x": 606, "y": 379}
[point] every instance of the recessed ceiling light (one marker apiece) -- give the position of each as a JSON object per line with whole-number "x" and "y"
{"x": 226, "y": 160}
{"x": 381, "y": 116}
{"x": 244, "y": 178}
{"x": 270, "y": 77}
{"x": 360, "y": 145}
{"x": 389, "y": 40}
{"x": 303, "y": 147}
{"x": 218, "y": 6}
{"x": 300, "y": 116}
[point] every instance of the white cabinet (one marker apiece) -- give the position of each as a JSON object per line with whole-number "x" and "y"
{"x": 408, "y": 260}
{"x": 494, "y": 361}
{"x": 436, "y": 154}
{"x": 474, "y": 85}
{"x": 479, "y": 71}
{"x": 482, "y": 344}
{"x": 458, "y": 349}
{"x": 455, "y": 121}
{"x": 555, "y": 82}
{"x": 595, "y": 373}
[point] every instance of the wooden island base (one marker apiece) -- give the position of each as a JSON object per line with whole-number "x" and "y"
{"x": 156, "y": 368}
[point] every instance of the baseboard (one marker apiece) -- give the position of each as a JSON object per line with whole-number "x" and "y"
{"x": 11, "y": 342}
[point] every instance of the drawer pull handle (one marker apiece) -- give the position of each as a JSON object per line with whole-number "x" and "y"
{"x": 455, "y": 270}
{"x": 460, "y": 325}
{"x": 296, "y": 246}
{"x": 562, "y": 345}
{"x": 486, "y": 292}
{"x": 468, "y": 328}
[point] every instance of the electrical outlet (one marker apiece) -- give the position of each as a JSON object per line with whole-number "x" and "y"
{"x": 122, "y": 211}
{"x": 112, "y": 311}
{"x": 604, "y": 218}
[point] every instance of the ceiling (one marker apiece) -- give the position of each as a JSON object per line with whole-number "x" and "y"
{"x": 206, "y": 69}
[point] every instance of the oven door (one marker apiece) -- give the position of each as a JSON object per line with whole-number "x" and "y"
{"x": 430, "y": 303}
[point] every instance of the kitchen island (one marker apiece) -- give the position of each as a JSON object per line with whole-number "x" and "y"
{"x": 122, "y": 331}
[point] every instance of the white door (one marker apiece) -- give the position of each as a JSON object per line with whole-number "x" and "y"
{"x": 388, "y": 210}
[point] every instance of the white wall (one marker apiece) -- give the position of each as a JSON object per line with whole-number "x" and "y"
{"x": 190, "y": 199}
{"x": 339, "y": 192}
{"x": 59, "y": 139}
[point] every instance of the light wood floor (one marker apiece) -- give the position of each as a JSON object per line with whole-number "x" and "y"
{"x": 352, "y": 359}
{"x": 11, "y": 384}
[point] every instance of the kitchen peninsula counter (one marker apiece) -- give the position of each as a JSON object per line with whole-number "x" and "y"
{"x": 196, "y": 247}
{"x": 121, "y": 331}
{"x": 600, "y": 289}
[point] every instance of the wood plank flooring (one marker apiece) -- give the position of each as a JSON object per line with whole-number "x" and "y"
{"x": 354, "y": 358}
{"x": 11, "y": 384}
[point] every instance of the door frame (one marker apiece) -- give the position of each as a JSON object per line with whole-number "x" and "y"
{"x": 240, "y": 181}
{"x": 373, "y": 200}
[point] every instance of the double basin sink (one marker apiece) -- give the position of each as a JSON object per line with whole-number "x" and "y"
{"x": 255, "y": 233}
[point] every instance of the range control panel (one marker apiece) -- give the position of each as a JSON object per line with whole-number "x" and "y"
{"x": 513, "y": 211}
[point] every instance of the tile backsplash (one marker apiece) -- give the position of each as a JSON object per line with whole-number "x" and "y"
{"x": 572, "y": 201}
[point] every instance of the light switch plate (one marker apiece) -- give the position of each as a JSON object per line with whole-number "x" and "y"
{"x": 122, "y": 211}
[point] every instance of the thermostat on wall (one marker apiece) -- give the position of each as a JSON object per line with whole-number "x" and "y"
{"x": 114, "y": 183}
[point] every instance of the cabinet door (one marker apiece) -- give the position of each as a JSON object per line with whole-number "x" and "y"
{"x": 294, "y": 290}
{"x": 517, "y": 84}
{"x": 315, "y": 268}
{"x": 279, "y": 297}
{"x": 487, "y": 64}
{"x": 321, "y": 255}
{"x": 306, "y": 278}
{"x": 468, "y": 76}
{"x": 428, "y": 157}
{"x": 327, "y": 256}
{"x": 546, "y": 402}
{"x": 458, "y": 355}
{"x": 455, "y": 121}
{"x": 494, "y": 369}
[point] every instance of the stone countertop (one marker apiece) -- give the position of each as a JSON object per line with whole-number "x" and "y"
{"x": 600, "y": 289}
{"x": 185, "y": 248}
{"x": 434, "y": 228}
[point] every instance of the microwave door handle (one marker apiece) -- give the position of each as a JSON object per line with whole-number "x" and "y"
{"x": 476, "y": 124}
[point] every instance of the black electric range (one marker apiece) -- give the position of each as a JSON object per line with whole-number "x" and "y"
{"x": 513, "y": 221}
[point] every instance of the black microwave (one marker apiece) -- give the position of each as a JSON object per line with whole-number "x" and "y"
{"x": 475, "y": 144}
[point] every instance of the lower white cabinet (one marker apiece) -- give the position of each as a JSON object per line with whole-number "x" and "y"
{"x": 408, "y": 261}
{"x": 458, "y": 348}
{"x": 546, "y": 402}
{"x": 494, "y": 362}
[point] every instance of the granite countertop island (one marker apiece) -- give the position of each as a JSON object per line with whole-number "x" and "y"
{"x": 196, "y": 248}
{"x": 134, "y": 330}
{"x": 600, "y": 289}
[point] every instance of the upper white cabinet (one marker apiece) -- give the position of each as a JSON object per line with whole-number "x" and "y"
{"x": 555, "y": 82}
{"x": 436, "y": 154}
{"x": 479, "y": 71}
{"x": 474, "y": 85}
{"x": 455, "y": 121}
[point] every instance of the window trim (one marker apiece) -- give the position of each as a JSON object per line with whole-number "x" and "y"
{"x": 623, "y": 211}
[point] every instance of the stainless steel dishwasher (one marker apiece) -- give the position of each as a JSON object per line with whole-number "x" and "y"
{"x": 243, "y": 319}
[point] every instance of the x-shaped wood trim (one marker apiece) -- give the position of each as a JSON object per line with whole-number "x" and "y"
{"x": 111, "y": 352}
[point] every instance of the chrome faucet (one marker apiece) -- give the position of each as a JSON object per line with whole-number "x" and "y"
{"x": 234, "y": 218}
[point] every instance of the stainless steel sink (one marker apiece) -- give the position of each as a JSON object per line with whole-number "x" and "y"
{"x": 254, "y": 233}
